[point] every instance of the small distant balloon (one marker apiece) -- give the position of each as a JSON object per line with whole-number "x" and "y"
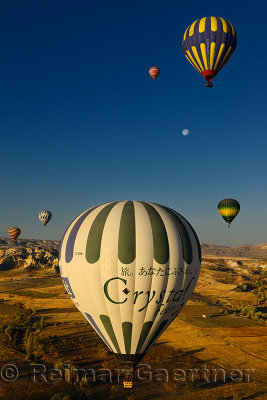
{"x": 228, "y": 209}
{"x": 45, "y": 216}
{"x": 154, "y": 72}
{"x": 185, "y": 132}
{"x": 14, "y": 233}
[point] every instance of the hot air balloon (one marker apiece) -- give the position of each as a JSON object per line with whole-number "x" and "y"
{"x": 45, "y": 216}
{"x": 154, "y": 72}
{"x": 14, "y": 233}
{"x": 130, "y": 267}
{"x": 208, "y": 45}
{"x": 228, "y": 209}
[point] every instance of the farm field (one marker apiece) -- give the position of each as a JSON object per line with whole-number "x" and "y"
{"x": 209, "y": 343}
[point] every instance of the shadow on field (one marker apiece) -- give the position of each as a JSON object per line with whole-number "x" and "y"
{"x": 160, "y": 343}
{"x": 192, "y": 352}
{"x": 256, "y": 395}
{"x": 58, "y": 310}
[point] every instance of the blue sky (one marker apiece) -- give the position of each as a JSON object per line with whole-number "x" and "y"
{"x": 83, "y": 123}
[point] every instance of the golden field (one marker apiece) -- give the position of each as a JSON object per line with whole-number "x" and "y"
{"x": 216, "y": 345}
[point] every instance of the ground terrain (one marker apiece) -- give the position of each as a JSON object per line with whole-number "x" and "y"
{"x": 220, "y": 331}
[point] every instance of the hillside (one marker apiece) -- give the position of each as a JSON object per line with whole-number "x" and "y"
{"x": 222, "y": 327}
{"x": 29, "y": 243}
{"x": 258, "y": 251}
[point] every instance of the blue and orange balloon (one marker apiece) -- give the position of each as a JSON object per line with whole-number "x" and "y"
{"x": 14, "y": 233}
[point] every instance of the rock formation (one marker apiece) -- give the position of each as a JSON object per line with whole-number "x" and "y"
{"x": 28, "y": 258}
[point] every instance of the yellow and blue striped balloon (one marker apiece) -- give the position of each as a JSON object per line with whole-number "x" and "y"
{"x": 208, "y": 44}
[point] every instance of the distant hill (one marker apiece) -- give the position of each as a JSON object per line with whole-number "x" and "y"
{"x": 258, "y": 251}
{"x": 29, "y": 243}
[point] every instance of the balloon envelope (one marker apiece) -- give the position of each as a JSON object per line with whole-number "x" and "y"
{"x": 228, "y": 209}
{"x": 14, "y": 233}
{"x": 154, "y": 72}
{"x": 130, "y": 267}
{"x": 208, "y": 44}
{"x": 45, "y": 216}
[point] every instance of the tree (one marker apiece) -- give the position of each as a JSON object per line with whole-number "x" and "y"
{"x": 27, "y": 333}
{"x": 28, "y": 345}
{"x": 41, "y": 324}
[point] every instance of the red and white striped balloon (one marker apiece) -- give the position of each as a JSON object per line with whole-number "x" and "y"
{"x": 154, "y": 72}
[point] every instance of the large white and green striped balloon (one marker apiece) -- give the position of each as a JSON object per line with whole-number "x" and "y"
{"x": 130, "y": 267}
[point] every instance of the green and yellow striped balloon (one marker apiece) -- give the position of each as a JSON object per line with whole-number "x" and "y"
{"x": 228, "y": 209}
{"x": 130, "y": 267}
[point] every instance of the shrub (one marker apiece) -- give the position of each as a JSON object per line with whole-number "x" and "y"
{"x": 189, "y": 385}
{"x": 3, "y": 327}
{"x": 9, "y": 331}
{"x": 27, "y": 333}
{"x": 41, "y": 324}
{"x": 248, "y": 310}
{"x": 85, "y": 383}
{"x": 29, "y": 345}
{"x": 63, "y": 365}
{"x": 115, "y": 388}
{"x": 244, "y": 287}
{"x": 237, "y": 396}
{"x": 60, "y": 396}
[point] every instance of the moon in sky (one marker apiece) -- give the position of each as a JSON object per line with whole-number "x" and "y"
{"x": 185, "y": 132}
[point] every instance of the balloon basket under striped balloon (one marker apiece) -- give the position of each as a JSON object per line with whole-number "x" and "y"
{"x": 129, "y": 359}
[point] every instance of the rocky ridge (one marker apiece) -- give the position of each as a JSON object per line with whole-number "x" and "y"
{"x": 28, "y": 254}
{"x": 33, "y": 254}
{"x": 29, "y": 243}
{"x": 258, "y": 251}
